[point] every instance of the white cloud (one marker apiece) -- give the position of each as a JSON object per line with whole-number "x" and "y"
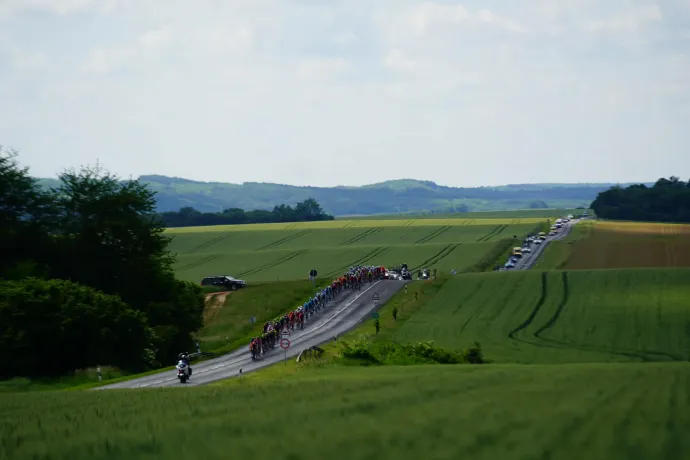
{"x": 396, "y": 59}
{"x": 346, "y": 38}
{"x": 628, "y": 21}
{"x": 321, "y": 69}
{"x": 290, "y": 88}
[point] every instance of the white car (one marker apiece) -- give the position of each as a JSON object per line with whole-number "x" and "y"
{"x": 537, "y": 241}
{"x": 526, "y": 249}
{"x": 509, "y": 264}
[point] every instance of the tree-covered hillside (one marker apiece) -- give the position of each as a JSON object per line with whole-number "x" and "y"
{"x": 668, "y": 200}
{"x": 396, "y": 196}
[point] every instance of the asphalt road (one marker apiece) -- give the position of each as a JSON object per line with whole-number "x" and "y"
{"x": 337, "y": 318}
{"x": 527, "y": 262}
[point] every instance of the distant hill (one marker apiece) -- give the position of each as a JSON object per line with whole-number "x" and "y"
{"x": 390, "y": 197}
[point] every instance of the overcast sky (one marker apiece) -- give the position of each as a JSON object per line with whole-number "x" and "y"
{"x": 327, "y": 92}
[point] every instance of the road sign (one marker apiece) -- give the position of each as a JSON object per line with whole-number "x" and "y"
{"x": 286, "y": 331}
{"x": 376, "y": 297}
{"x": 313, "y": 272}
{"x": 285, "y": 344}
{"x": 375, "y": 315}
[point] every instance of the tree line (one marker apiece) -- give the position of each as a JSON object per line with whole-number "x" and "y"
{"x": 668, "y": 200}
{"x": 86, "y": 277}
{"x": 305, "y": 211}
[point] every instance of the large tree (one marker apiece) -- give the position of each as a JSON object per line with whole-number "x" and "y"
{"x": 25, "y": 220}
{"x": 668, "y": 200}
{"x": 110, "y": 239}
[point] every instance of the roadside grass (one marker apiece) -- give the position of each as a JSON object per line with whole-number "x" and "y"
{"x": 209, "y": 289}
{"x": 560, "y": 317}
{"x": 569, "y": 412}
{"x": 631, "y": 244}
{"x": 230, "y": 327}
{"x": 81, "y": 378}
{"x": 557, "y": 253}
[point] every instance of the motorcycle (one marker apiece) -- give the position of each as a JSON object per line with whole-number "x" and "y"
{"x": 183, "y": 372}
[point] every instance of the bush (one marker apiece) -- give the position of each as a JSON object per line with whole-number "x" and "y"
{"x": 365, "y": 353}
{"x": 50, "y": 327}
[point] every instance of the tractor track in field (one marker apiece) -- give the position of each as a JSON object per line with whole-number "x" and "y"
{"x": 436, "y": 258}
{"x": 564, "y": 300}
{"x": 433, "y": 235}
{"x": 200, "y": 262}
{"x": 410, "y": 222}
{"x": 361, "y": 236}
{"x": 365, "y": 258}
{"x": 208, "y": 243}
{"x": 285, "y": 240}
{"x": 279, "y": 261}
{"x": 559, "y": 344}
{"x": 540, "y": 302}
{"x": 496, "y": 231}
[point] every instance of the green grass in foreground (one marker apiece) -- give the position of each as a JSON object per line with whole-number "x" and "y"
{"x": 568, "y": 412}
{"x": 559, "y": 317}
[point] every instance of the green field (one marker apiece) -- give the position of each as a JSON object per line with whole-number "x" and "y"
{"x": 272, "y": 252}
{"x": 512, "y": 214}
{"x": 597, "y": 412}
{"x": 561, "y": 317}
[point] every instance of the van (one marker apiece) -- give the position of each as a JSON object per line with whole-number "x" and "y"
{"x": 517, "y": 251}
{"x": 542, "y": 235}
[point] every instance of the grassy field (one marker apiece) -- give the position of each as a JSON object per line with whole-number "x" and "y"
{"x": 288, "y": 251}
{"x": 598, "y": 412}
{"x": 557, "y": 253}
{"x": 631, "y": 244}
{"x": 557, "y": 317}
{"x": 512, "y": 214}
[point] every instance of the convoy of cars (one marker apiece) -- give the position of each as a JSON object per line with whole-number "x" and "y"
{"x": 520, "y": 252}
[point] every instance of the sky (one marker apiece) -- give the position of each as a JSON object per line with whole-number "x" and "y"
{"x": 351, "y": 92}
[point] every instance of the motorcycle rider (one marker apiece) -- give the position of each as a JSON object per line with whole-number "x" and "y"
{"x": 184, "y": 357}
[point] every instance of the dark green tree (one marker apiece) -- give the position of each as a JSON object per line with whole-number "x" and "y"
{"x": 25, "y": 220}
{"x": 110, "y": 239}
{"x": 50, "y": 327}
{"x": 668, "y": 200}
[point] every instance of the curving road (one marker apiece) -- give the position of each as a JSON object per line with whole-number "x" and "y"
{"x": 525, "y": 263}
{"x": 337, "y": 318}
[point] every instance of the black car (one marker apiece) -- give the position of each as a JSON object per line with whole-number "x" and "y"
{"x": 225, "y": 281}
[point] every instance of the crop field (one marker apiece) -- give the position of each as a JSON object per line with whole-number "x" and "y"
{"x": 530, "y": 317}
{"x": 264, "y": 253}
{"x": 512, "y": 214}
{"x": 632, "y": 244}
{"x": 593, "y": 411}
{"x": 361, "y": 223}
